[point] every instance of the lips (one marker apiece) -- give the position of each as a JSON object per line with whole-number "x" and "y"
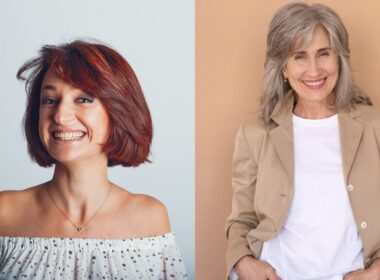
{"x": 68, "y": 135}
{"x": 314, "y": 84}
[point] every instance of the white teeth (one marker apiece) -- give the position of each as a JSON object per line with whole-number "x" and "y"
{"x": 67, "y": 136}
{"x": 314, "y": 84}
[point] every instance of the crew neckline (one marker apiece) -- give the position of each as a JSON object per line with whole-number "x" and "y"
{"x": 332, "y": 120}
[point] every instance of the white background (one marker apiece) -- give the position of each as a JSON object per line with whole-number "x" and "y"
{"x": 157, "y": 39}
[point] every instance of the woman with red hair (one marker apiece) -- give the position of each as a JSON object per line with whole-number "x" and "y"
{"x": 85, "y": 112}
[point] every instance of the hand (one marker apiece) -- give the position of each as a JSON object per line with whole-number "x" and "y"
{"x": 247, "y": 268}
{"x": 371, "y": 273}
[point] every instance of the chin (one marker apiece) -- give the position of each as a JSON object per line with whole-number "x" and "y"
{"x": 314, "y": 95}
{"x": 66, "y": 159}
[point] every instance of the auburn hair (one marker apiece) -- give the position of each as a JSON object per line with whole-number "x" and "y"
{"x": 103, "y": 73}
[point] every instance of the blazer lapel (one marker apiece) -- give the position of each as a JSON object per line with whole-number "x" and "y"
{"x": 282, "y": 135}
{"x": 351, "y": 132}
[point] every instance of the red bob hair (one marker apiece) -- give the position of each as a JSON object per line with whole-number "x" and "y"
{"x": 102, "y": 72}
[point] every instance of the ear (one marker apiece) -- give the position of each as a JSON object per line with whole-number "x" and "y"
{"x": 285, "y": 72}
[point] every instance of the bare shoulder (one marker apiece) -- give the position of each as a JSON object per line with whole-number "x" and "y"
{"x": 11, "y": 198}
{"x": 152, "y": 214}
{"x": 150, "y": 206}
{"x": 6, "y": 199}
{"x": 15, "y": 205}
{"x": 19, "y": 195}
{"x": 145, "y": 213}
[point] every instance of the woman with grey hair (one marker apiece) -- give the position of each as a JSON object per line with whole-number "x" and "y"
{"x": 304, "y": 201}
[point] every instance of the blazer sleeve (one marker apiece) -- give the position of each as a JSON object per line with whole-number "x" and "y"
{"x": 243, "y": 217}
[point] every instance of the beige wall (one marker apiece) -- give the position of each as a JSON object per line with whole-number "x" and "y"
{"x": 230, "y": 48}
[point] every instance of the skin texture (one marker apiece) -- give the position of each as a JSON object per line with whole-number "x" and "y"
{"x": 65, "y": 109}
{"x": 80, "y": 181}
{"x": 313, "y": 63}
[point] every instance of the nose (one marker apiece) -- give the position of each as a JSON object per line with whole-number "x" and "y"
{"x": 64, "y": 113}
{"x": 314, "y": 69}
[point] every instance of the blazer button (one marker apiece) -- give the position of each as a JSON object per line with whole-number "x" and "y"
{"x": 363, "y": 225}
{"x": 350, "y": 188}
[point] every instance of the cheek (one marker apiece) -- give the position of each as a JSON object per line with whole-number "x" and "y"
{"x": 100, "y": 123}
{"x": 334, "y": 75}
{"x": 106, "y": 127}
{"x": 332, "y": 66}
{"x": 42, "y": 125}
{"x": 104, "y": 120}
{"x": 294, "y": 71}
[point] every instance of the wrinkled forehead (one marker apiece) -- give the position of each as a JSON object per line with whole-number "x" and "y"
{"x": 303, "y": 38}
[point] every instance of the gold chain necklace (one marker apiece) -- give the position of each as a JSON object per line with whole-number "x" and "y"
{"x": 79, "y": 228}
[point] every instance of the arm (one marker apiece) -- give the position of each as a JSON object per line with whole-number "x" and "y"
{"x": 7, "y": 212}
{"x": 153, "y": 216}
{"x": 243, "y": 217}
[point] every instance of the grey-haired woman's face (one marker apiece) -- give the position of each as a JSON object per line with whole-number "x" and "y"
{"x": 313, "y": 71}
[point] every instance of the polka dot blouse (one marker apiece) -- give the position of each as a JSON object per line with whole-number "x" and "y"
{"x": 156, "y": 257}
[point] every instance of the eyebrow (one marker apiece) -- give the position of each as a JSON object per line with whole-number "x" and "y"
{"x": 48, "y": 87}
{"x": 318, "y": 51}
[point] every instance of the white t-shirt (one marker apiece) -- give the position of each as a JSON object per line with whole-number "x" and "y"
{"x": 319, "y": 239}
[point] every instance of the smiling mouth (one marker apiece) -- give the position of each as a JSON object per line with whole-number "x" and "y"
{"x": 68, "y": 136}
{"x": 316, "y": 84}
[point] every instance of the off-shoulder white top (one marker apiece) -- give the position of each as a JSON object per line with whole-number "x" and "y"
{"x": 156, "y": 257}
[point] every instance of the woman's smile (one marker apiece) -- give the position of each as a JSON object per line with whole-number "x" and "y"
{"x": 313, "y": 71}
{"x": 314, "y": 84}
{"x": 68, "y": 135}
{"x": 73, "y": 124}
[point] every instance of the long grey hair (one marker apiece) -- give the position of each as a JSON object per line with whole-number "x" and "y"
{"x": 295, "y": 23}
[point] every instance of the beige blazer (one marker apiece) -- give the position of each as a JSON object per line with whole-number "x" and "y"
{"x": 263, "y": 174}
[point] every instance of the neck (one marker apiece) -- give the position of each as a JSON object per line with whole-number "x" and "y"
{"x": 79, "y": 189}
{"x": 314, "y": 110}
